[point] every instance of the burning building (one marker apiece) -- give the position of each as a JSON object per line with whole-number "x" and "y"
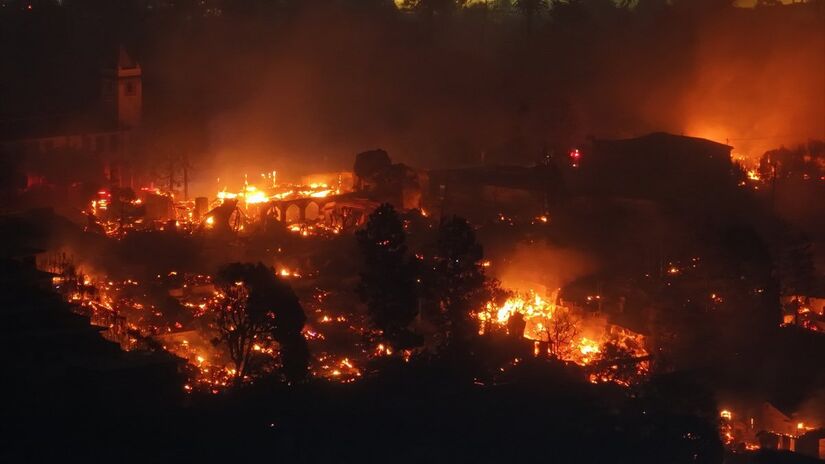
{"x": 804, "y": 310}
{"x": 764, "y": 426}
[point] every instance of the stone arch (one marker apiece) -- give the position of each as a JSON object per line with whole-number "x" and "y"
{"x": 311, "y": 211}
{"x": 293, "y": 213}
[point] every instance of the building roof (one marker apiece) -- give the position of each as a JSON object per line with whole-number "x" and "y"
{"x": 661, "y": 138}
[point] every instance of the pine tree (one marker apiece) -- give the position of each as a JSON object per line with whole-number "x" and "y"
{"x": 388, "y": 282}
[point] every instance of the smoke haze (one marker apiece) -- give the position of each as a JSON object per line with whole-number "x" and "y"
{"x": 329, "y": 83}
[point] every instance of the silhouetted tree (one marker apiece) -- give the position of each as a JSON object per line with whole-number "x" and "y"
{"x": 294, "y": 356}
{"x": 755, "y": 290}
{"x": 430, "y": 8}
{"x": 458, "y": 283}
{"x": 561, "y": 331}
{"x": 795, "y": 266}
{"x": 617, "y": 363}
{"x": 531, "y": 9}
{"x": 703, "y": 6}
{"x": 258, "y": 306}
{"x": 388, "y": 284}
{"x": 369, "y": 165}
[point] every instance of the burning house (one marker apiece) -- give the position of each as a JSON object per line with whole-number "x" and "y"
{"x": 764, "y": 426}
{"x": 804, "y": 310}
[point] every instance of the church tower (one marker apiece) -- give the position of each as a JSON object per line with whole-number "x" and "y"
{"x": 122, "y": 92}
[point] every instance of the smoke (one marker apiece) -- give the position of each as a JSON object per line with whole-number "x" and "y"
{"x": 539, "y": 266}
{"x": 307, "y": 91}
{"x": 760, "y": 88}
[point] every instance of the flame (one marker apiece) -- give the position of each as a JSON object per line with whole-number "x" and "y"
{"x": 583, "y": 349}
{"x": 252, "y": 194}
{"x": 535, "y": 310}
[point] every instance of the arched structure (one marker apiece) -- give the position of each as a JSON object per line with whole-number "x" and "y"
{"x": 293, "y": 213}
{"x": 311, "y": 211}
{"x": 297, "y": 209}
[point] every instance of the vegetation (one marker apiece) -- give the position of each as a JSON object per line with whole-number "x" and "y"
{"x": 388, "y": 285}
{"x": 257, "y": 305}
{"x": 458, "y": 280}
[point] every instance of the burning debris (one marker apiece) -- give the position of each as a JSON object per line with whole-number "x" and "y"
{"x": 564, "y": 334}
{"x": 765, "y": 427}
{"x": 317, "y": 208}
{"x": 190, "y": 328}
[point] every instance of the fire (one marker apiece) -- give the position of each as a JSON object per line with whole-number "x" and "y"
{"x": 588, "y": 347}
{"x": 286, "y": 272}
{"x": 252, "y": 194}
{"x": 569, "y": 335}
{"x": 139, "y": 325}
{"x": 383, "y": 350}
{"x": 533, "y": 308}
{"x": 155, "y": 209}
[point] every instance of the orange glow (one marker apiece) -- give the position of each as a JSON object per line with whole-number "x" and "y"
{"x": 583, "y": 339}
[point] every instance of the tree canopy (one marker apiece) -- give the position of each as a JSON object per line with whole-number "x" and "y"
{"x": 388, "y": 285}
{"x": 258, "y": 305}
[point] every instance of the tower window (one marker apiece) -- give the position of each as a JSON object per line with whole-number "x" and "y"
{"x": 130, "y": 89}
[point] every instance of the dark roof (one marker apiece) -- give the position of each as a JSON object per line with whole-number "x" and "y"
{"x": 662, "y": 138}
